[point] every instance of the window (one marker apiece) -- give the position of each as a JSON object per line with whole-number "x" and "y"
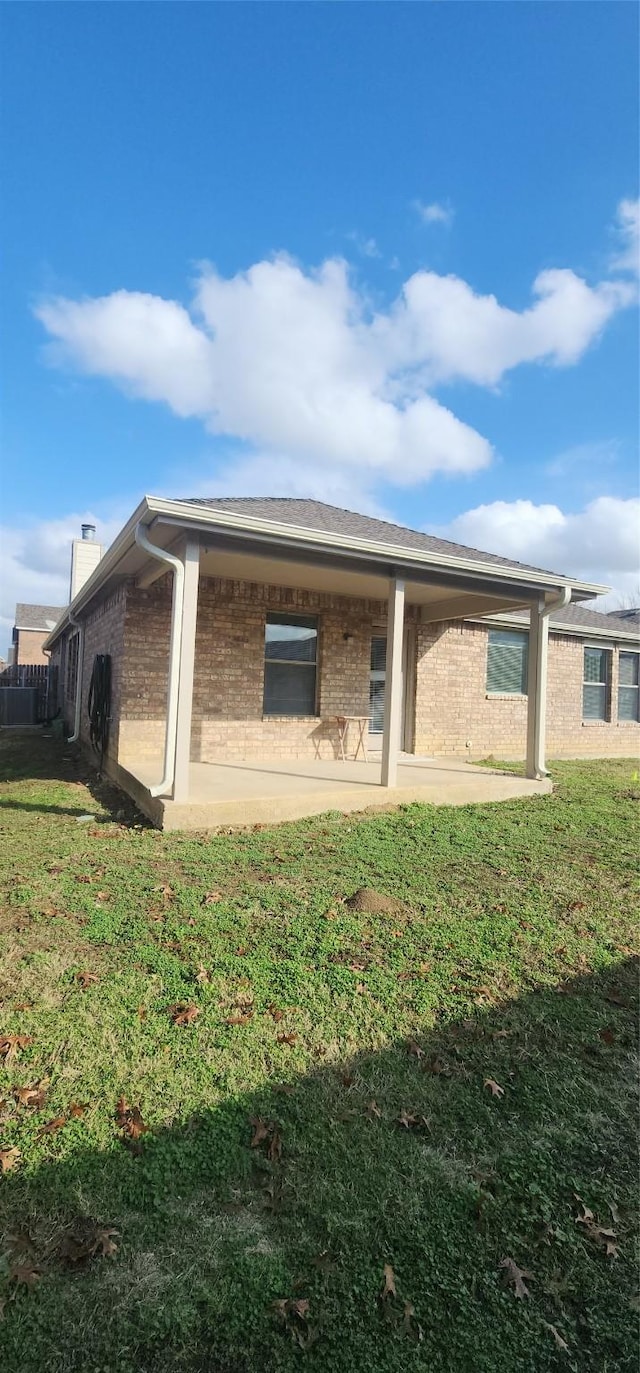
{"x": 71, "y": 673}
{"x": 290, "y": 649}
{"x": 507, "y": 658}
{"x": 595, "y": 683}
{"x": 628, "y": 689}
{"x": 377, "y": 677}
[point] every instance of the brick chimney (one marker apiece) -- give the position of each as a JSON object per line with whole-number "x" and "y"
{"x": 85, "y": 556}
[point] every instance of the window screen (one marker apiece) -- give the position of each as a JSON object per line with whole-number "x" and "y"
{"x": 628, "y": 691}
{"x": 377, "y": 677}
{"x": 595, "y": 682}
{"x": 290, "y": 649}
{"x": 507, "y": 658}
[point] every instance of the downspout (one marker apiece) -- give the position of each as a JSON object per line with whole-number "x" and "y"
{"x": 177, "y": 602}
{"x": 537, "y": 685}
{"x": 73, "y": 738}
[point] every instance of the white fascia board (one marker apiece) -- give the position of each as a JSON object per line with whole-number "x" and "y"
{"x": 107, "y": 565}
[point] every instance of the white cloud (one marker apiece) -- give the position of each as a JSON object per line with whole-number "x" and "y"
{"x": 600, "y": 543}
{"x": 299, "y": 366}
{"x": 35, "y": 563}
{"x": 584, "y": 461}
{"x": 627, "y": 257}
{"x": 366, "y": 246}
{"x": 437, "y": 212}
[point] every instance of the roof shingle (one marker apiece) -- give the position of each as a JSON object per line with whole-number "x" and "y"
{"x": 37, "y": 616}
{"x": 309, "y": 514}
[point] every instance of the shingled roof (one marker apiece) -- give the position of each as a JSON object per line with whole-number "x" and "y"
{"x": 331, "y": 519}
{"x": 37, "y": 616}
{"x": 583, "y": 617}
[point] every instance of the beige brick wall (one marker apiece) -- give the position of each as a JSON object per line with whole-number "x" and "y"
{"x": 103, "y": 633}
{"x": 451, "y": 703}
{"x": 229, "y": 670}
{"x": 29, "y": 647}
{"x": 453, "y": 709}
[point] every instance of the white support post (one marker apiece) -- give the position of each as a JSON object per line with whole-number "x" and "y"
{"x": 537, "y": 690}
{"x": 187, "y": 660}
{"x": 393, "y": 684}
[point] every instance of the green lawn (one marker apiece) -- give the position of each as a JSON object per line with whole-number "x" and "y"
{"x": 366, "y": 1102}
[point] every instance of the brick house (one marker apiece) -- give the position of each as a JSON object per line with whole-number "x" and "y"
{"x": 246, "y": 631}
{"x": 32, "y": 625}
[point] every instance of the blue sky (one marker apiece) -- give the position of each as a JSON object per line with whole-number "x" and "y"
{"x": 447, "y": 154}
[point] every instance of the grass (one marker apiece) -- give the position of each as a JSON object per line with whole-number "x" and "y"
{"x": 506, "y": 957}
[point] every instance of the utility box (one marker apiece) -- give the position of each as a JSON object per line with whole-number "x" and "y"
{"x": 18, "y": 706}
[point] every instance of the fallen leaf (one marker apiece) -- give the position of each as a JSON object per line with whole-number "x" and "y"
{"x": 261, "y": 1131}
{"x": 240, "y": 1019}
{"x": 78, "y": 1108}
{"x": 25, "y": 1274}
{"x": 165, "y": 890}
{"x": 501, "y": 1034}
{"x": 9, "y": 1159}
{"x": 516, "y": 1276}
{"x": 86, "y": 1239}
{"x": 23, "y": 1006}
{"x": 494, "y": 1087}
{"x": 211, "y": 897}
{"x": 30, "y": 1096}
{"x": 202, "y": 975}
{"x": 607, "y": 1035}
{"x": 53, "y": 1125}
{"x": 85, "y": 979}
{"x": 142, "y": 1012}
{"x": 388, "y": 1288}
{"x": 275, "y": 1013}
{"x": 347, "y": 1080}
{"x": 414, "y": 1048}
{"x": 184, "y": 1013}
{"x": 409, "y": 1323}
{"x": 129, "y": 1119}
{"x": 10, "y": 1045}
{"x": 559, "y": 1342}
{"x": 286, "y": 1039}
{"x": 373, "y": 1111}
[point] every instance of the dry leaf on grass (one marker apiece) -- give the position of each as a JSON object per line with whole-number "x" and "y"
{"x": 494, "y": 1087}
{"x": 602, "y": 1236}
{"x": 266, "y": 1132}
{"x": 242, "y": 1018}
{"x": 607, "y": 1035}
{"x": 202, "y": 975}
{"x": 516, "y": 1276}
{"x": 184, "y": 1013}
{"x": 388, "y": 1288}
{"x": 10, "y": 1045}
{"x": 211, "y": 898}
{"x": 86, "y": 978}
{"x": 52, "y": 1126}
{"x": 30, "y": 1096}
{"x": 414, "y": 1049}
{"x": 78, "y": 1108}
{"x": 286, "y": 1039}
{"x": 25, "y": 1274}
{"x": 9, "y": 1158}
{"x": 86, "y": 1239}
{"x": 373, "y": 1111}
{"x": 129, "y": 1119}
{"x": 559, "y": 1342}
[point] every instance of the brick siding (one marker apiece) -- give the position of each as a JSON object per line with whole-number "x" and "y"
{"x": 29, "y": 647}
{"x": 453, "y": 712}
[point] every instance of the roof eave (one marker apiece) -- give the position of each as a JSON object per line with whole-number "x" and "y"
{"x": 189, "y": 516}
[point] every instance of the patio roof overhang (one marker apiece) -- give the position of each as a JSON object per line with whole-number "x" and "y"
{"x": 248, "y": 548}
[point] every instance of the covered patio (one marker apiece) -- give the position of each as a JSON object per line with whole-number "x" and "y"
{"x": 247, "y": 793}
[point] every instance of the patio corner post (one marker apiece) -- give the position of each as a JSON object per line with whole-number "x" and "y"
{"x": 187, "y": 651}
{"x": 393, "y": 684}
{"x": 537, "y": 690}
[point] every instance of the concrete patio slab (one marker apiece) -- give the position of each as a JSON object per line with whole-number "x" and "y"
{"x": 246, "y": 793}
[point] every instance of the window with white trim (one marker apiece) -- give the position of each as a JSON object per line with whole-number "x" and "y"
{"x": 507, "y": 662}
{"x": 595, "y": 683}
{"x": 628, "y": 687}
{"x": 291, "y": 656}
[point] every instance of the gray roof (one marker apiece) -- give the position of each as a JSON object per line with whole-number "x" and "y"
{"x": 582, "y": 617}
{"x": 37, "y": 616}
{"x": 632, "y": 615}
{"x": 308, "y": 514}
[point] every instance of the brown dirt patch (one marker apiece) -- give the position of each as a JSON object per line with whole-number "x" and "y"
{"x": 372, "y": 902}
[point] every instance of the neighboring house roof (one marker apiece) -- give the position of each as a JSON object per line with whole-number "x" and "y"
{"x": 633, "y": 614}
{"x": 43, "y": 617}
{"x": 308, "y": 514}
{"x": 583, "y": 621}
